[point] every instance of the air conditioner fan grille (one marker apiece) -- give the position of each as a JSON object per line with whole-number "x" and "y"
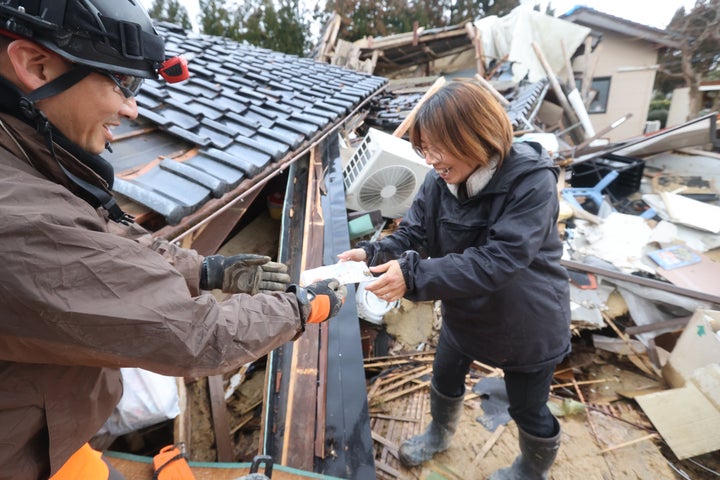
{"x": 388, "y": 187}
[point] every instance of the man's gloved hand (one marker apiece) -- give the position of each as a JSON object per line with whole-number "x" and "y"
{"x": 321, "y": 300}
{"x": 244, "y": 273}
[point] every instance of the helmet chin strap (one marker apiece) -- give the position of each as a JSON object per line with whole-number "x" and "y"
{"x": 58, "y": 85}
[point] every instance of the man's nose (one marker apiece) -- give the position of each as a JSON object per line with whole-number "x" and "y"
{"x": 129, "y": 108}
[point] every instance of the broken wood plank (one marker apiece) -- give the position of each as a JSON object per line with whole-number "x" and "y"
{"x": 651, "y": 436}
{"x": 498, "y": 96}
{"x": 393, "y": 417}
{"x": 299, "y": 441}
{"x": 213, "y": 235}
{"x": 393, "y": 396}
{"x": 562, "y": 98}
{"x": 646, "y": 366}
{"x": 593, "y": 429}
{"x": 582, "y": 382}
{"x": 403, "y": 381}
{"x": 489, "y": 444}
{"x": 221, "y": 423}
{"x": 673, "y": 324}
{"x": 408, "y": 121}
{"x": 647, "y": 282}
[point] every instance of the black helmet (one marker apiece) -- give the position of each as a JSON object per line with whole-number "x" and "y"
{"x": 114, "y": 35}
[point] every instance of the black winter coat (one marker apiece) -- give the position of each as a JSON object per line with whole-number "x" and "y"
{"x": 493, "y": 260}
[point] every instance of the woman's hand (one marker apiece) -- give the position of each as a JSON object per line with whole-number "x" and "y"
{"x": 353, "y": 255}
{"x": 390, "y": 286}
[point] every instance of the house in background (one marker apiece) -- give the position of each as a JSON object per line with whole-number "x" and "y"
{"x": 680, "y": 105}
{"x": 622, "y": 70}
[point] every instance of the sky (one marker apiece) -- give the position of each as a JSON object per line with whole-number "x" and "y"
{"x": 655, "y": 13}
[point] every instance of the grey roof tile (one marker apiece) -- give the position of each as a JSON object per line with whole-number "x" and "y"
{"x": 149, "y": 89}
{"x": 203, "y": 141}
{"x": 152, "y": 116}
{"x": 286, "y": 137}
{"x": 275, "y": 149}
{"x": 170, "y": 209}
{"x": 216, "y": 185}
{"x": 319, "y": 112}
{"x": 322, "y": 105}
{"x": 211, "y": 108}
{"x": 147, "y": 101}
{"x": 230, "y": 174}
{"x": 303, "y": 128}
{"x": 243, "y": 120}
{"x": 303, "y": 117}
{"x": 249, "y": 160}
{"x": 244, "y": 107}
{"x": 175, "y": 116}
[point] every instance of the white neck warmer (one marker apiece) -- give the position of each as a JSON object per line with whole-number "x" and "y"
{"x": 477, "y": 180}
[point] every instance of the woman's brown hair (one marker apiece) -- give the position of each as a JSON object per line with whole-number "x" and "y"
{"x": 464, "y": 120}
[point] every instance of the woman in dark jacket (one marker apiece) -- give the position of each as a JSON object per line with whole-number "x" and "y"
{"x": 481, "y": 236}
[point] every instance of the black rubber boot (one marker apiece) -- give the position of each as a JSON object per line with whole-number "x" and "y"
{"x": 445, "y": 412}
{"x": 536, "y": 457}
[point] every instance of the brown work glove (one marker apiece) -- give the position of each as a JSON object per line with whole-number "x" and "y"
{"x": 243, "y": 273}
{"x": 319, "y": 301}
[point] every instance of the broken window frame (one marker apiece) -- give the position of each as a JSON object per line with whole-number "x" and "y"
{"x": 600, "y": 88}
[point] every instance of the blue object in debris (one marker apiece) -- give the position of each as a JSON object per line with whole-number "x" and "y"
{"x": 595, "y": 193}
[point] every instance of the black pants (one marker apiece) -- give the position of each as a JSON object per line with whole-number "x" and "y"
{"x": 527, "y": 391}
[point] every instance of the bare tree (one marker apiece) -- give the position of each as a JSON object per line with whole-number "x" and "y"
{"x": 698, "y": 55}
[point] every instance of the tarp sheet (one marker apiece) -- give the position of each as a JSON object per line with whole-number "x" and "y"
{"x": 514, "y": 34}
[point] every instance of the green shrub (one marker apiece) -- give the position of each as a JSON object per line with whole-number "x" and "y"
{"x": 658, "y": 114}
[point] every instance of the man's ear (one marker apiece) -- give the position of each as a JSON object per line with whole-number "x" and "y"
{"x": 33, "y": 65}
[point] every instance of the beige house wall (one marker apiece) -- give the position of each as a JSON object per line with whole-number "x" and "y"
{"x": 631, "y": 65}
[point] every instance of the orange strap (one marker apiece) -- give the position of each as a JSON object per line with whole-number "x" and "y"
{"x": 86, "y": 464}
{"x": 170, "y": 464}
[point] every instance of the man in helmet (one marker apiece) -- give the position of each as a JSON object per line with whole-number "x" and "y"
{"x": 84, "y": 290}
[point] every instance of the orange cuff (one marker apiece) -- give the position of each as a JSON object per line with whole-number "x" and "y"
{"x": 319, "y": 309}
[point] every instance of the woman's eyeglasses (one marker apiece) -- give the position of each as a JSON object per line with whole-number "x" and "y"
{"x": 129, "y": 85}
{"x": 428, "y": 153}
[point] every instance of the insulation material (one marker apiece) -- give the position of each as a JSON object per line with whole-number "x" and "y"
{"x": 620, "y": 240}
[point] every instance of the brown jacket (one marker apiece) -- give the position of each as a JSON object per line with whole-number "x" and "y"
{"x": 80, "y": 297}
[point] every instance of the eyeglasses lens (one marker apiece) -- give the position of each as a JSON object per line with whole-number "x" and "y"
{"x": 129, "y": 85}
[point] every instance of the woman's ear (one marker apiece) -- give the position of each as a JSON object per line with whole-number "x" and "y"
{"x": 33, "y": 65}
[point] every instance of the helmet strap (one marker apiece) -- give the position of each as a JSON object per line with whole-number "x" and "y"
{"x": 58, "y": 85}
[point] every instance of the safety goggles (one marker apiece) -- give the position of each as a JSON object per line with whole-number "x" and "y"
{"x": 129, "y": 85}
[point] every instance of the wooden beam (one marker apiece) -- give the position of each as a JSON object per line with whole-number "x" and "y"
{"x": 221, "y": 422}
{"x": 562, "y": 98}
{"x": 305, "y": 404}
{"x": 214, "y": 234}
{"x": 405, "y": 125}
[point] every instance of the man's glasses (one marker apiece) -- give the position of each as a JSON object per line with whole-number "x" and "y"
{"x": 129, "y": 85}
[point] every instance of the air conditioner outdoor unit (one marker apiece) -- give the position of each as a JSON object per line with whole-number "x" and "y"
{"x": 383, "y": 174}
